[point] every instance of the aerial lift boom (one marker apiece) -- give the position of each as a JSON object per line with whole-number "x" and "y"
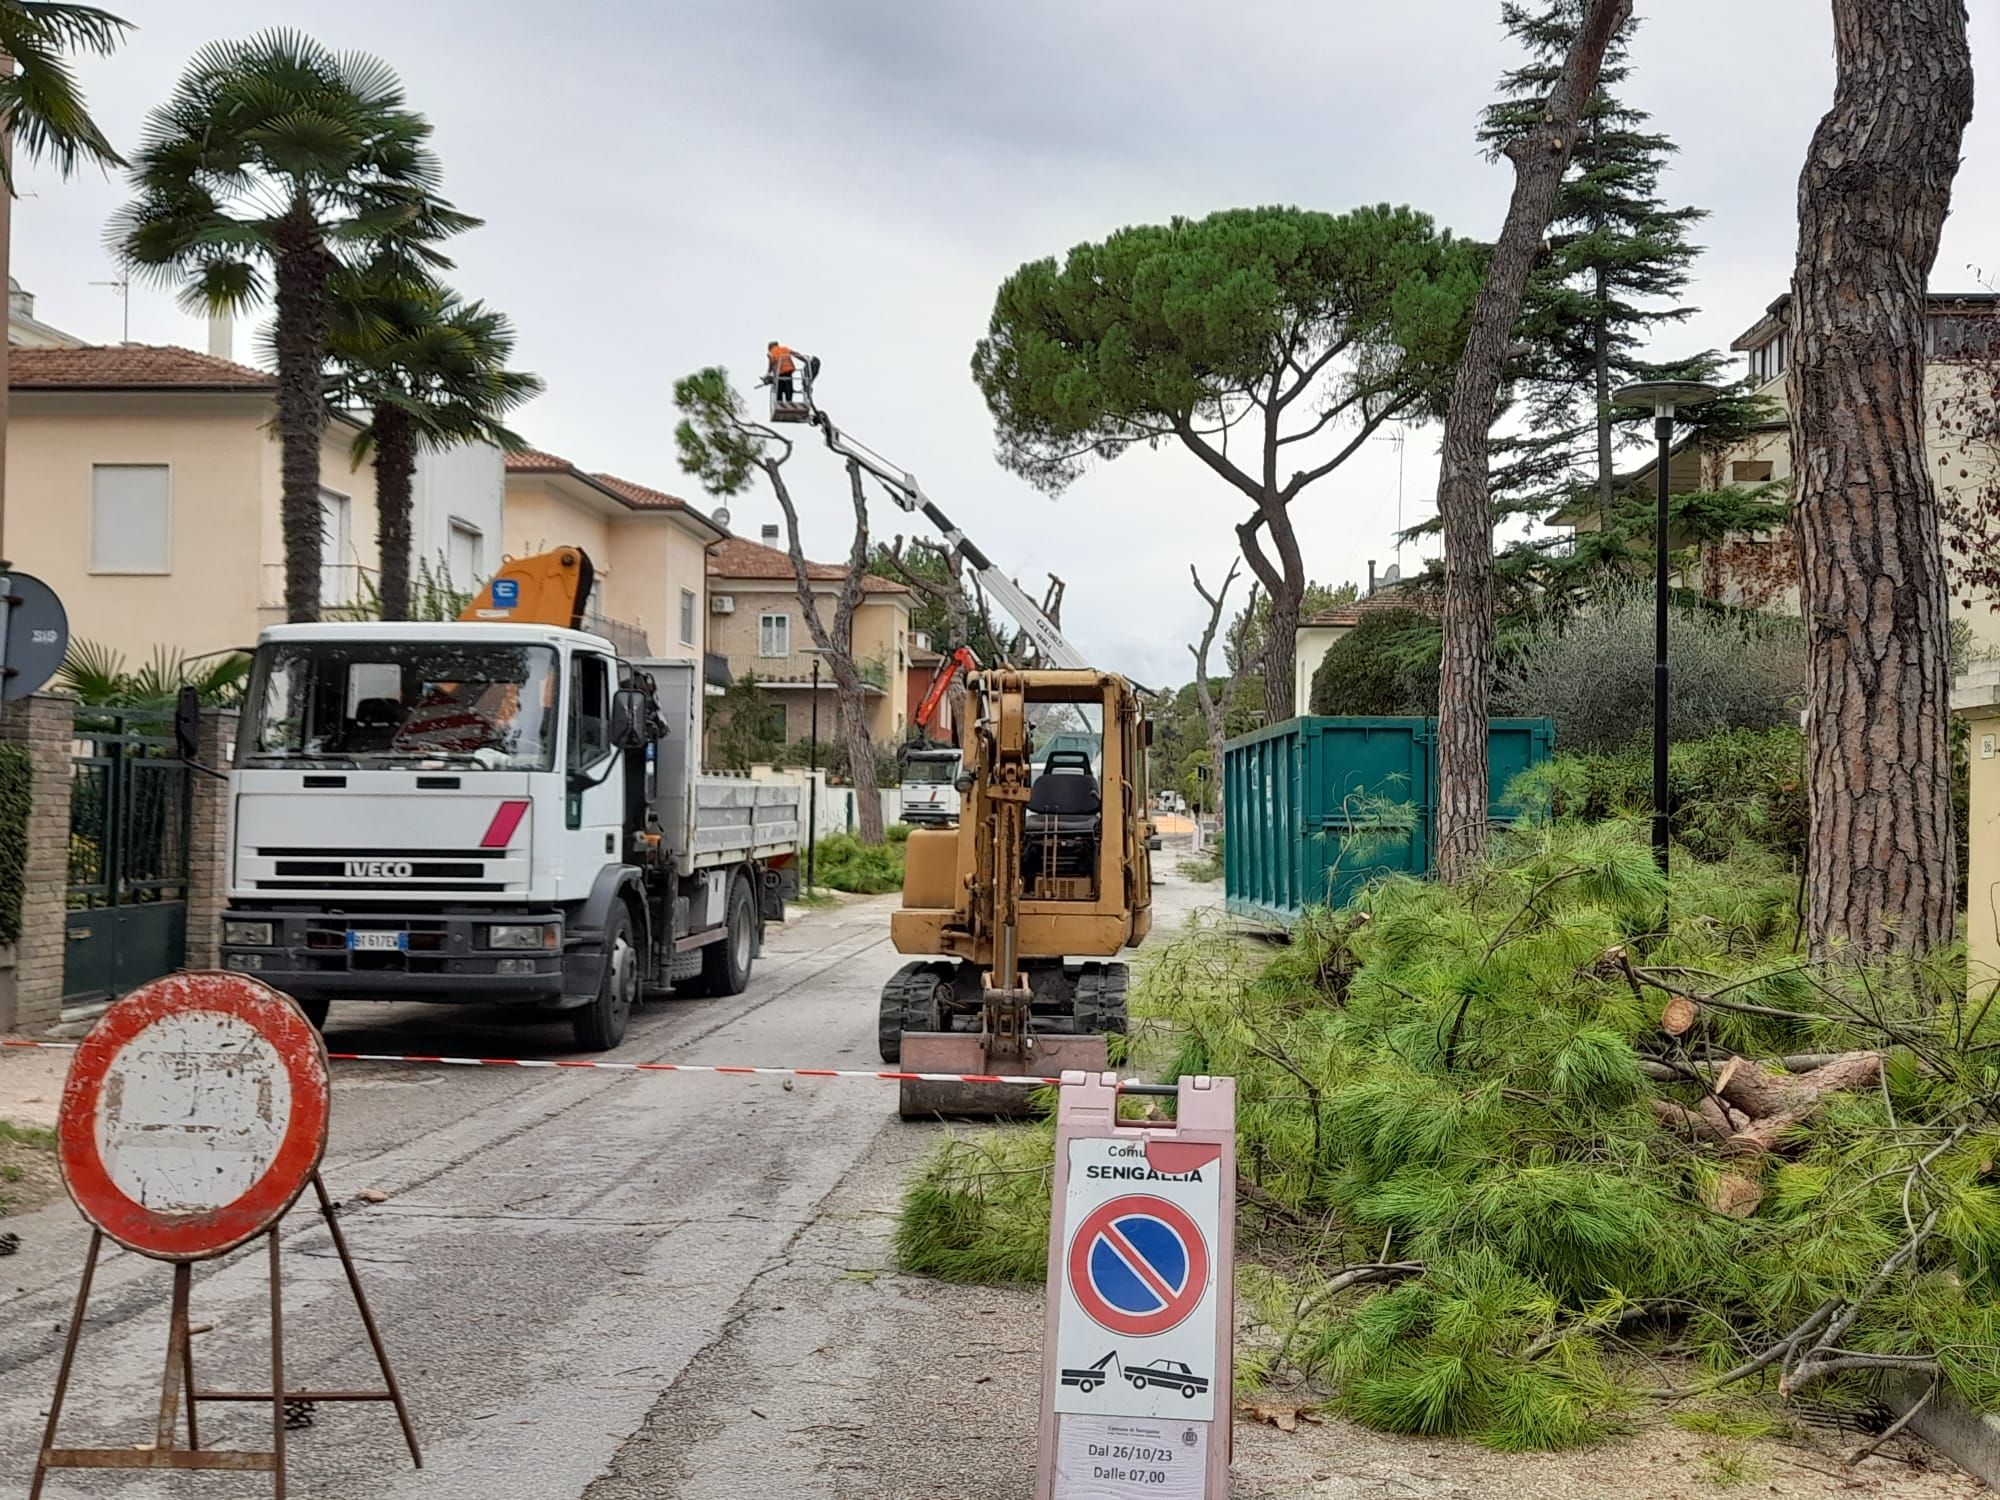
{"x": 1055, "y": 649}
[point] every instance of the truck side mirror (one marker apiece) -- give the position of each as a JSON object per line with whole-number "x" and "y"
{"x": 187, "y": 723}
{"x": 631, "y": 719}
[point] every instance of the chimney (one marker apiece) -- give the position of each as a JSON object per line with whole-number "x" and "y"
{"x": 770, "y": 534}
{"x": 221, "y": 335}
{"x": 1371, "y": 575}
{"x": 20, "y": 301}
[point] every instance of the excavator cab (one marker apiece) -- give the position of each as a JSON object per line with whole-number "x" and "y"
{"x": 1015, "y": 918}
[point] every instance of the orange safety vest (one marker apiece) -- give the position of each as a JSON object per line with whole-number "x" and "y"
{"x": 781, "y": 360}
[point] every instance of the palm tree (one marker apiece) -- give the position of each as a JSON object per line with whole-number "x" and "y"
{"x": 430, "y": 370}
{"x": 275, "y": 162}
{"x": 43, "y": 118}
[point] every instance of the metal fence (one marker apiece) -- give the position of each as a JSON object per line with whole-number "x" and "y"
{"x": 129, "y": 822}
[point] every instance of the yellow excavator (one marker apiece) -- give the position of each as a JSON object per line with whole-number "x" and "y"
{"x": 1021, "y": 911}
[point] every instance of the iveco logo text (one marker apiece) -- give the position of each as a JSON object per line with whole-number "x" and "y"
{"x": 379, "y": 869}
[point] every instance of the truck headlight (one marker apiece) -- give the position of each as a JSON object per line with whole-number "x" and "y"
{"x": 246, "y": 934}
{"x": 522, "y": 935}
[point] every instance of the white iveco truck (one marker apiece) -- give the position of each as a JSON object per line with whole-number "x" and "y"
{"x": 492, "y": 811}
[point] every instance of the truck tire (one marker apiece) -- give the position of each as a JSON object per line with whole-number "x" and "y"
{"x": 725, "y": 965}
{"x": 600, "y": 1025}
{"x": 314, "y": 1011}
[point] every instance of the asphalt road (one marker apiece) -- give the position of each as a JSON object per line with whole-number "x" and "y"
{"x": 564, "y": 1260}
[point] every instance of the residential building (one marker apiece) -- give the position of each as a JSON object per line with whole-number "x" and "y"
{"x": 1762, "y": 570}
{"x": 754, "y": 622}
{"x": 1315, "y": 637}
{"x": 143, "y": 485}
{"x": 648, "y": 548}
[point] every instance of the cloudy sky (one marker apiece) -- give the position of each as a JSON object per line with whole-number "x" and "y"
{"x": 668, "y": 184}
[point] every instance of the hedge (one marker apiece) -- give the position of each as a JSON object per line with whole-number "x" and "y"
{"x": 15, "y": 785}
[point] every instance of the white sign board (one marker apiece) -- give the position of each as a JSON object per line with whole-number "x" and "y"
{"x": 1118, "y": 1458}
{"x": 1137, "y": 1322}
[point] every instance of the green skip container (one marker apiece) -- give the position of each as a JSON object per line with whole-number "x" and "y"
{"x": 1315, "y": 808}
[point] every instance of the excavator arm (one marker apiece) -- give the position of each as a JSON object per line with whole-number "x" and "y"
{"x": 961, "y": 660}
{"x": 550, "y": 588}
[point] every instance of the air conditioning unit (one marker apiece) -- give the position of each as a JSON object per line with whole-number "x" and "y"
{"x": 722, "y": 604}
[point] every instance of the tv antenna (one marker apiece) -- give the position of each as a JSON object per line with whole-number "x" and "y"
{"x": 1399, "y": 437}
{"x": 123, "y": 286}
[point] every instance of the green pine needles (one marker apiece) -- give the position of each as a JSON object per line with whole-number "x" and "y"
{"x": 1480, "y": 1200}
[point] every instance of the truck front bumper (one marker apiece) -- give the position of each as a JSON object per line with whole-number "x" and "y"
{"x": 443, "y": 958}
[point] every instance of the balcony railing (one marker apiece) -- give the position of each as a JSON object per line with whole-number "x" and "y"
{"x": 628, "y": 638}
{"x": 345, "y": 587}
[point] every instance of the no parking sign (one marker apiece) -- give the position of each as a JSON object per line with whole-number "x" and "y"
{"x": 1136, "y": 1366}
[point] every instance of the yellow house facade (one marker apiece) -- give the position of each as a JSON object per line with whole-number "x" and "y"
{"x": 756, "y": 624}
{"x": 143, "y": 486}
{"x": 649, "y": 549}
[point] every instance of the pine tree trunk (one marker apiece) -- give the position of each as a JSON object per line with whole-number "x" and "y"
{"x": 1281, "y": 651}
{"x": 1881, "y": 859}
{"x": 303, "y": 266}
{"x": 860, "y": 758}
{"x": 1465, "y": 500}
{"x": 395, "y": 468}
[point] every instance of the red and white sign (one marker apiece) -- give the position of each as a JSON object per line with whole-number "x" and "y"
{"x": 1141, "y": 1301}
{"x": 195, "y": 1113}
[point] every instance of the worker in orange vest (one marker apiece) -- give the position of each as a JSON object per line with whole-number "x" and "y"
{"x": 784, "y": 365}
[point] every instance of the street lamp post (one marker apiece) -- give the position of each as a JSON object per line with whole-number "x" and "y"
{"x": 812, "y": 784}
{"x": 1665, "y": 397}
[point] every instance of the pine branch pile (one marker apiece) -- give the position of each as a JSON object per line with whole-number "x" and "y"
{"x": 1516, "y": 1160}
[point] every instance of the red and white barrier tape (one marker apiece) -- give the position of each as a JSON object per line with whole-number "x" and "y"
{"x": 887, "y": 1075}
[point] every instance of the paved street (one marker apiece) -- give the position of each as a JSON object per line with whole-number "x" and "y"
{"x": 608, "y": 1284}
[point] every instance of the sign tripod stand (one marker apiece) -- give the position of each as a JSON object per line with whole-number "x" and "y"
{"x": 239, "y": 1071}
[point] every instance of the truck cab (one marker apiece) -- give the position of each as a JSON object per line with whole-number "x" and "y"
{"x": 489, "y": 812}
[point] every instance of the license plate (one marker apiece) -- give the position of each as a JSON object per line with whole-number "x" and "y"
{"x": 377, "y": 942}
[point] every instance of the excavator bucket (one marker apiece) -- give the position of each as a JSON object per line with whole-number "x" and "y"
{"x": 964, "y": 1055}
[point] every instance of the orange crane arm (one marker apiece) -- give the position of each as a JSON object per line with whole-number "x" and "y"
{"x": 550, "y": 588}
{"x": 961, "y": 660}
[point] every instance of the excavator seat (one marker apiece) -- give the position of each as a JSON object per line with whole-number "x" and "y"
{"x": 1065, "y": 819}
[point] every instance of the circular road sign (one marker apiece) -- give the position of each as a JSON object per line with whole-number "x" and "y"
{"x": 194, "y": 1114}
{"x": 36, "y": 635}
{"x": 1138, "y": 1265}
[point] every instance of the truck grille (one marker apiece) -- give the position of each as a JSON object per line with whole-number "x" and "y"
{"x": 301, "y": 869}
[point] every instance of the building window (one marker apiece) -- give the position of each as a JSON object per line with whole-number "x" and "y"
{"x": 337, "y": 576}
{"x": 774, "y": 635}
{"x": 1750, "y": 471}
{"x": 131, "y": 519}
{"x": 687, "y": 617}
{"x": 465, "y": 554}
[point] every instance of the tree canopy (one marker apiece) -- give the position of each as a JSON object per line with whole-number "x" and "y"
{"x": 1269, "y": 342}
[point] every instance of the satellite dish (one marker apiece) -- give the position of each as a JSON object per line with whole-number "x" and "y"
{"x": 1394, "y": 575}
{"x": 34, "y": 634}
{"x": 721, "y": 514}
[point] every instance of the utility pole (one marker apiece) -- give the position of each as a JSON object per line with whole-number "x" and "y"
{"x": 812, "y": 784}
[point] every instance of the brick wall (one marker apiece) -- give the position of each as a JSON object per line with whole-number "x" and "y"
{"x": 45, "y": 725}
{"x": 208, "y": 841}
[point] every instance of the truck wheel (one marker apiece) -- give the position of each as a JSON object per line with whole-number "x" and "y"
{"x": 600, "y": 1025}
{"x": 725, "y": 965}
{"x": 314, "y": 1011}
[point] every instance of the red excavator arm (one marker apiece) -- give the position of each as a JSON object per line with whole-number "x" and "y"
{"x": 550, "y": 588}
{"x": 961, "y": 660}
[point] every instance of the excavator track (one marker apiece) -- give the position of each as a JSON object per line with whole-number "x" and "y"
{"x": 911, "y": 1001}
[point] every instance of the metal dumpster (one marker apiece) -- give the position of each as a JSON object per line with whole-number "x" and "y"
{"x": 1315, "y": 808}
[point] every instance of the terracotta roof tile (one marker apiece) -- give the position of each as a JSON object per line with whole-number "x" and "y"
{"x": 1347, "y": 614}
{"x": 126, "y": 367}
{"x": 629, "y": 493}
{"x": 534, "y": 461}
{"x": 644, "y": 497}
{"x": 740, "y": 557}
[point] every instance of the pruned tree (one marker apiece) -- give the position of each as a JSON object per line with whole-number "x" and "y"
{"x": 1540, "y": 154}
{"x": 1297, "y": 333}
{"x": 1881, "y": 861}
{"x": 723, "y": 448}
{"x": 1211, "y": 706}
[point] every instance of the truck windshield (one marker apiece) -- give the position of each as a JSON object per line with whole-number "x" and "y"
{"x": 484, "y": 707}
{"x": 926, "y": 769}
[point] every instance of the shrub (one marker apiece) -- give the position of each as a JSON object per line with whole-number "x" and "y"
{"x": 1385, "y": 666}
{"x": 846, "y": 864}
{"x": 1741, "y": 786}
{"x": 1592, "y": 671}
{"x": 14, "y": 788}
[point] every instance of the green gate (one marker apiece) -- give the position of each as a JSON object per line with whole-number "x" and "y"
{"x": 130, "y": 803}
